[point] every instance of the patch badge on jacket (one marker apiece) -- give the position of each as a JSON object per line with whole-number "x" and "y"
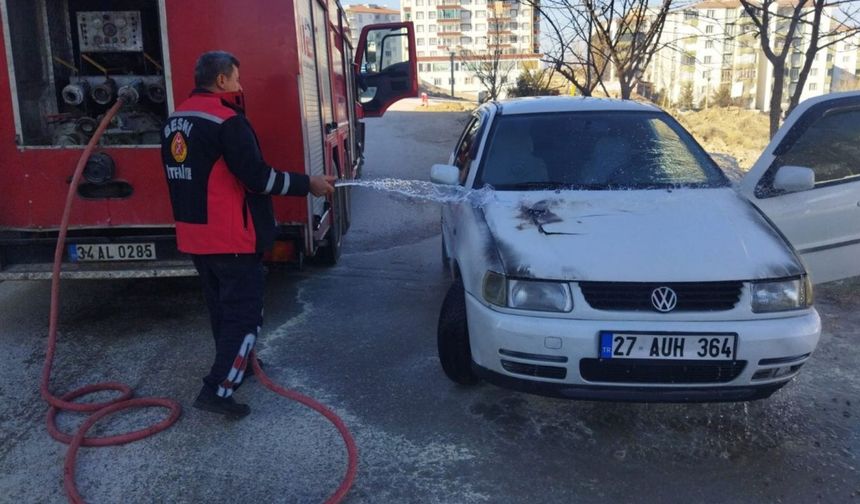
{"x": 179, "y": 148}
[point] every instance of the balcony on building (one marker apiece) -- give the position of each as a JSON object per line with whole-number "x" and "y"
{"x": 448, "y": 4}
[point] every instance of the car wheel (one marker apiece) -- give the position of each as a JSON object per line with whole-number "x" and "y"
{"x": 452, "y": 337}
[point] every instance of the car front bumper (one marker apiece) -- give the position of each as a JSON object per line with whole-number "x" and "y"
{"x": 557, "y": 356}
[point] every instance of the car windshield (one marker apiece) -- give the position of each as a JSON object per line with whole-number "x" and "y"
{"x": 594, "y": 150}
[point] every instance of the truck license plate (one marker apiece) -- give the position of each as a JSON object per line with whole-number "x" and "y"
{"x": 112, "y": 252}
{"x": 615, "y": 345}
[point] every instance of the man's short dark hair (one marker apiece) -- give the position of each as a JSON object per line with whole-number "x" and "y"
{"x": 212, "y": 64}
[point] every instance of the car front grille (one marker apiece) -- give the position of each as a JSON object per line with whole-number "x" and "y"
{"x": 636, "y": 296}
{"x": 649, "y": 371}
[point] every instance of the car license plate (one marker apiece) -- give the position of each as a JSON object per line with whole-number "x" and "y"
{"x": 112, "y": 252}
{"x": 616, "y": 345}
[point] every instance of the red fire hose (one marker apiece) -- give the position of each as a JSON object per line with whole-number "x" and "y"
{"x": 124, "y": 400}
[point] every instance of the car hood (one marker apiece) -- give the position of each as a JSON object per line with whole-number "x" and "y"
{"x": 636, "y": 236}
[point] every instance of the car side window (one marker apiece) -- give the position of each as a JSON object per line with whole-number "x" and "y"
{"x": 467, "y": 148}
{"x": 830, "y": 147}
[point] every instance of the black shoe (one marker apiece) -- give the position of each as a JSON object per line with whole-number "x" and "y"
{"x": 208, "y": 400}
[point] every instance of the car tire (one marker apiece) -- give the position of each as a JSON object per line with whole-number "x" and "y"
{"x": 452, "y": 337}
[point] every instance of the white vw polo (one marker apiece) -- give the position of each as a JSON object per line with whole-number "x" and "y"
{"x": 615, "y": 260}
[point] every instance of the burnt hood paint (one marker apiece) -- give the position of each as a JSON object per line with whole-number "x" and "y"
{"x": 636, "y": 236}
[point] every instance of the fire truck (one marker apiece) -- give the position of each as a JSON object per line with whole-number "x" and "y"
{"x": 307, "y": 87}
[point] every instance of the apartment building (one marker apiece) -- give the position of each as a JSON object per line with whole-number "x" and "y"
{"x": 469, "y": 36}
{"x": 361, "y": 15}
{"x": 714, "y": 44}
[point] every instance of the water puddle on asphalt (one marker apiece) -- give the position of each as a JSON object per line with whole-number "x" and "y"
{"x": 423, "y": 190}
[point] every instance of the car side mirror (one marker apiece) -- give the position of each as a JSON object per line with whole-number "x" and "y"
{"x": 794, "y": 179}
{"x": 445, "y": 174}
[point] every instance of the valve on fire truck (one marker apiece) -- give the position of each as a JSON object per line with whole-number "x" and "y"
{"x": 76, "y": 94}
{"x": 104, "y": 93}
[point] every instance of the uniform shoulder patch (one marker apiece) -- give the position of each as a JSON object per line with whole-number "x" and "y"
{"x": 179, "y": 147}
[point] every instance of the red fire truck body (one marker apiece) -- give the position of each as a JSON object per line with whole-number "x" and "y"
{"x": 66, "y": 60}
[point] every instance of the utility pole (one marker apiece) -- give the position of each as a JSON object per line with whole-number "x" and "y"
{"x": 452, "y": 74}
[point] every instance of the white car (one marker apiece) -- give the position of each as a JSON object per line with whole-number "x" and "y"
{"x": 615, "y": 260}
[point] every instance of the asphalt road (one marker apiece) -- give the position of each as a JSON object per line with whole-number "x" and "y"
{"x": 361, "y": 337}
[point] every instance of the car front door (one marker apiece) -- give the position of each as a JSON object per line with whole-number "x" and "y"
{"x": 820, "y": 216}
{"x": 463, "y": 158}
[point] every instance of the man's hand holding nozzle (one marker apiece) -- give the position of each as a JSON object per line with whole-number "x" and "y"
{"x": 322, "y": 185}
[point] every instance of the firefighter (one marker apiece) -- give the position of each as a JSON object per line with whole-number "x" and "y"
{"x": 220, "y": 188}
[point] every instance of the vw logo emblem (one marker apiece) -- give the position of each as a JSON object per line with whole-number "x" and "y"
{"x": 664, "y": 299}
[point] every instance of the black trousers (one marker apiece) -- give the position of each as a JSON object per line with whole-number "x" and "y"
{"x": 233, "y": 287}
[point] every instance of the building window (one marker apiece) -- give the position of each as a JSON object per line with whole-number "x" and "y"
{"x": 813, "y": 86}
{"x": 437, "y": 81}
{"x": 431, "y": 28}
{"x": 419, "y": 41}
{"x": 431, "y": 3}
{"x": 432, "y": 41}
{"x": 468, "y": 80}
{"x": 419, "y": 15}
{"x": 465, "y": 27}
{"x": 431, "y": 15}
{"x": 481, "y": 27}
{"x": 709, "y": 44}
{"x": 480, "y": 14}
{"x": 419, "y": 3}
{"x": 709, "y": 29}
{"x": 711, "y": 13}
{"x": 419, "y": 28}
{"x": 707, "y": 60}
{"x": 690, "y": 15}
{"x": 813, "y": 72}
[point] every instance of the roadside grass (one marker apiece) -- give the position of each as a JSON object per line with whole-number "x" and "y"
{"x": 447, "y": 106}
{"x": 740, "y": 133}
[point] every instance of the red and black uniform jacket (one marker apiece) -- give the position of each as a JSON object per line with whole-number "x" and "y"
{"x": 220, "y": 186}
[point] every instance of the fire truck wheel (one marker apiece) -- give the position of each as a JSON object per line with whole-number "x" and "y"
{"x": 452, "y": 337}
{"x": 330, "y": 253}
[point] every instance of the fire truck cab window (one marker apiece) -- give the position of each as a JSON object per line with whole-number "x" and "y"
{"x": 69, "y": 61}
{"x": 386, "y": 56}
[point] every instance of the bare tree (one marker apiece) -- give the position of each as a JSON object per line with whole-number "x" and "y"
{"x": 628, "y": 32}
{"x": 778, "y": 23}
{"x": 571, "y": 52}
{"x": 490, "y": 68}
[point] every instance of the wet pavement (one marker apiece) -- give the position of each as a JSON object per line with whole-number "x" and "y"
{"x": 361, "y": 337}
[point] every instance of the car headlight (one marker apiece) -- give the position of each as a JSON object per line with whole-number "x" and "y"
{"x": 527, "y": 294}
{"x": 781, "y": 295}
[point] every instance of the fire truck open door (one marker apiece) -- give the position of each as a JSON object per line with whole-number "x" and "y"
{"x": 387, "y": 66}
